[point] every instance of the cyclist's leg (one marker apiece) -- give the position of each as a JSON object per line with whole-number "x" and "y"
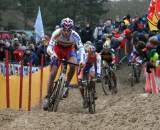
{"x": 58, "y": 50}
{"x": 81, "y": 87}
{"x": 71, "y": 58}
{"x": 51, "y": 80}
{"x": 72, "y": 68}
{"x": 55, "y": 65}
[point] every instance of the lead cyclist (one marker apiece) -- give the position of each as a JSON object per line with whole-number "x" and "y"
{"x": 63, "y": 45}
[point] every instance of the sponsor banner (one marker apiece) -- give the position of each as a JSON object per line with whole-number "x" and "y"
{"x": 14, "y": 69}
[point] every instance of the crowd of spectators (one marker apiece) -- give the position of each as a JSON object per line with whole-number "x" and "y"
{"x": 22, "y": 48}
{"x": 112, "y": 26}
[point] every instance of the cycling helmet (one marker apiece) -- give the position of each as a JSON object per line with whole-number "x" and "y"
{"x": 107, "y": 44}
{"x": 89, "y": 48}
{"x": 67, "y": 23}
{"x": 88, "y": 42}
{"x": 140, "y": 46}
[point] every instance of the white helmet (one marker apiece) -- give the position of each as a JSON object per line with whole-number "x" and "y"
{"x": 89, "y": 48}
{"x": 107, "y": 44}
{"x": 67, "y": 23}
{"x": 88, "y": 42}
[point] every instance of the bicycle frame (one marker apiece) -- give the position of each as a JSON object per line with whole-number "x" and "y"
{"x": 59, "y": 86}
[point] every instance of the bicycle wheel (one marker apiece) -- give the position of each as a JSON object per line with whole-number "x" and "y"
{"x": 104, "y": 81}
{"x": 112, "y": 83}
{"x": 52, "y": 98}
{"x": 58, "y": 94}
{"x": 85, "y": 105}
{"x": 91, "y": 97}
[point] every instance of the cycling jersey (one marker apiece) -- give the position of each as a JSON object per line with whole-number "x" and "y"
{"x": 93, "y": 64}
{"x": 108, "y": 55}
{"x": 93, "y": 61}
{"x": 68, "y": 45}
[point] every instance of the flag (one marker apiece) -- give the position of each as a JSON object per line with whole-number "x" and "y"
{"x": 39, "y": 30}
{"x": 153, "y": 14}
{"x": 157, "y": 8}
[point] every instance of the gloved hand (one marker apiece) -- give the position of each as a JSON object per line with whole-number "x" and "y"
{"x": 81, "y": 64}
{"x": 53, "y": 56}
{"x": 51, "y": 52}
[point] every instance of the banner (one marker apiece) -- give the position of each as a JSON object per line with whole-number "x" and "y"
{"x": 14, "y": 69}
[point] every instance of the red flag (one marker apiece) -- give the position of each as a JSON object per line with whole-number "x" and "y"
{"x": 157, "y": 7}
{"x": 152, "y": 15}
{"x": 151, "y": 11}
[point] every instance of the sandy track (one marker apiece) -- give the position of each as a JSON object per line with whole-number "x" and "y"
{"x": 130, "y": 109}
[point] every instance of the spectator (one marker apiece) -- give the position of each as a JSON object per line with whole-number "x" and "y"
{"x": 107, "y": 27}
{"x": 18, "y": 52}
{"x": 33, "y": 55}
{"x": 2, "y": 50}
{"x": 98, "y": 32}
{"x": 42, "y": 49}
{"x": 87, "y": 34}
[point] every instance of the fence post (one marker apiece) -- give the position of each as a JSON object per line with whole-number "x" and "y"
{"x": 30, "y": 81}
{"x": 21, "y": 85}
{"x": 7, "y": 80}
{"x": 41, "y": 79}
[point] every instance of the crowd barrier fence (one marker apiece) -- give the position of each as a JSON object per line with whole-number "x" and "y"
{"x": 24, "y": 91}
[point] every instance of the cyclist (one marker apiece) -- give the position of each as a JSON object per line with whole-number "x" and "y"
{"x": 139, "y": 53}
{"x": 108, "y": 58}
{"x": 63, "y": 45}
{"x": 92, "y": 65}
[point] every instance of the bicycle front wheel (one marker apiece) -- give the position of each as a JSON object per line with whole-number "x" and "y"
{"x": 52, "y": 98}
{"x": 91, "y": 97}
{"x": 104, "y": 85}
{"x": 104, "y": 82}
{"x": 112, "y": 82}
{"x": 58, "y": 94}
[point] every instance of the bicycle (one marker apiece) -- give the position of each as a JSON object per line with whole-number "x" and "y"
{"x": 107, "y": 79}
{"x": 89, "y": 92}
{"x": 58, "y": 88}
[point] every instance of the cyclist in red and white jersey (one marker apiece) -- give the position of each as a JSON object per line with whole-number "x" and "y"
{"x": 92, "y": 67}
{"x": 63, "y": 45}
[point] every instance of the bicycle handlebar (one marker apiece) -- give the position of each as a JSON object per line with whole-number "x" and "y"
{"x": 67, "y": 62}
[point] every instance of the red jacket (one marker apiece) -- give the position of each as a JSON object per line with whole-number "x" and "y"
{"x": 18, "y": 55}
